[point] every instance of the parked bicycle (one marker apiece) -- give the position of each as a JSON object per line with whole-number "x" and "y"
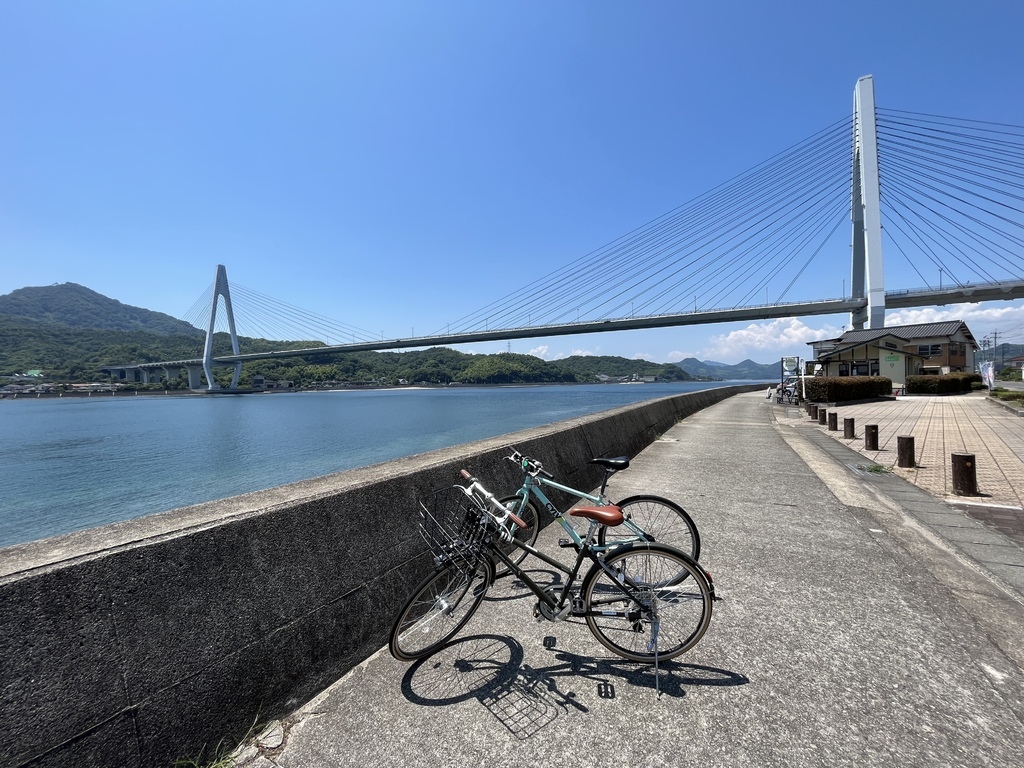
{"x": 646, "y": 517}
{"x": 645, "y": 601}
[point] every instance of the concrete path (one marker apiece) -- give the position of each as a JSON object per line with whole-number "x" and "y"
{"x": 853, "y": 631}
{"x": 942, "y": 426}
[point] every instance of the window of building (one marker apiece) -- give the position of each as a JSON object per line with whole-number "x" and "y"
{"x": 844, "y": 369}
{"x": 874, "y": 368}
{"x": 860, "y": 369}
{"x": 936, "y": 350}
{"x": 922, "y": 350}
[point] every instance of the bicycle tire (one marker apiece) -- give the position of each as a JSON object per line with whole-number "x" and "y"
{"x": 669, "y": 582}
{"x": 528, "y": 535}
{"x": 439, "y": 607}
{"x": 666, "y": 521}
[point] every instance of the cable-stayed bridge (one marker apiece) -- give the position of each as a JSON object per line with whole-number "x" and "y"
{"x": 944, "y": 197}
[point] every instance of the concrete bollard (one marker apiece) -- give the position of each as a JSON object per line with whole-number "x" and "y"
{"x": 812, "y": 409}
{"x": 848, "y": 430}
{"x": 833, "y": 422}
{"x": 905, "y": 451}
{"x": 822, "y": 415}
{"x": 871, "y": 437}
{"x": 965, "y": 474}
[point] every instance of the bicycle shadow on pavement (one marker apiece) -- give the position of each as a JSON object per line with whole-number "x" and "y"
{"x": 524, "y": 698}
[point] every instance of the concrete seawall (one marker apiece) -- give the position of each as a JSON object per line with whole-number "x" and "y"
{"x": 142, "y": 642}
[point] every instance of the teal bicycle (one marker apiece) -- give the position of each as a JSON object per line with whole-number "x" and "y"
{"x": 642, "y": 600}
{"x": 645, "y": 517}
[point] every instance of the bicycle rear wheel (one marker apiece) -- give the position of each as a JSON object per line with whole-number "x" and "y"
{"x": 439, "y": 608}
{"x": 664, "y": 520}
{"x": 528, "y": 535}
{"x": 667, "y": 611}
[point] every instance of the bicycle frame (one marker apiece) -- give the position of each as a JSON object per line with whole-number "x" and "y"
{"x": 532, "y": 487}
{"x": 559, "y": 607}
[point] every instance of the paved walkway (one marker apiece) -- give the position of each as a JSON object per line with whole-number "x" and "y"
{"x": 864, "y": 623}
{"x": 942, "y": 426}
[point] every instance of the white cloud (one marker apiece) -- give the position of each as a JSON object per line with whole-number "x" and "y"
{"x": 1002, "y": 321}
{"x": 583, "y": 353}
{"x": 643, "y": 356}
{"x": 766, "y": 341}
{"x": 975, "y": 312}
{"x": 542, "y": 351}
{"x": 773, "y": 339}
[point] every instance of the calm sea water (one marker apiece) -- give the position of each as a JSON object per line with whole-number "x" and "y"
{"x": 74, "y": 463}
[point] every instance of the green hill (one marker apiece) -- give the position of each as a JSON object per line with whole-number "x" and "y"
{"x": 70, "y": 332}
{"x": 743, "y": 371}
{"x": 70, "y": 304}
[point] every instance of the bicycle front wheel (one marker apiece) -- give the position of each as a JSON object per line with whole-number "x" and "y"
{"x": 663, "y": 520}
{"x": 649, "y": 602}
{"x": 439, "y": 608}
{"x": 528, "y": 535}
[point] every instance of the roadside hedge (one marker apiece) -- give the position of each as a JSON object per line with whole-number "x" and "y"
{"x": 947, "y": 383}
{"x": 837, "y": 389}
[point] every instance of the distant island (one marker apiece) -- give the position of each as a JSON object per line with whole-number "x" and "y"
{"x": 64, "y": 334}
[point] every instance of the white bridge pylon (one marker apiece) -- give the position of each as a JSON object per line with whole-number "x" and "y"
{"x": 220, "y": 289}
{"x": 865, "y": 211}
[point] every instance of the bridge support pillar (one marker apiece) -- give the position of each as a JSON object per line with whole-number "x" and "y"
{"x": 195, "y": 376}
{"x": 865, "y": 211}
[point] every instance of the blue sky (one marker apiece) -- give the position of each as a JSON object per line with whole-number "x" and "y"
{"x": 394, "y": 165}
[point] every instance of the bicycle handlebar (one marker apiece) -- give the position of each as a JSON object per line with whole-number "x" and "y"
{"x": 528, "y": 465}
{"x": 505, "y": 513}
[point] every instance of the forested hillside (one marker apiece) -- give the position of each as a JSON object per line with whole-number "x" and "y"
{"x": 75, "y": 305}
{"x": 70, "y": 332}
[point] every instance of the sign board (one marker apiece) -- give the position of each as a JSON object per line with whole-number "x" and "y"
{"x": 790, "y": 365}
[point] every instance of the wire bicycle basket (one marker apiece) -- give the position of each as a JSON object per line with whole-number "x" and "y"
{"x": 454, "y": 527}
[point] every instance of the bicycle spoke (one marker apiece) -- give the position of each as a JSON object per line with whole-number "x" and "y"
{"x": 666, "y": 612}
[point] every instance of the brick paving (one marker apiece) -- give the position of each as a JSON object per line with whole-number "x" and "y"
{"x": 940, "y": 427}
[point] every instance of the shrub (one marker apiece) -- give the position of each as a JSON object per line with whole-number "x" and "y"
{"x": 1008, "y": 394}
{"x": 948, "y": 383}
{"x": 837, "y": 389}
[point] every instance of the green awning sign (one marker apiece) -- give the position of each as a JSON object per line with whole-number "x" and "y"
{"x": 892, "y": 358}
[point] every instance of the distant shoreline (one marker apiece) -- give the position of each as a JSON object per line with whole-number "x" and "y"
{"x": 402, "y": 387}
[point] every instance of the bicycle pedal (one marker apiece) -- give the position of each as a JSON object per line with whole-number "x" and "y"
{"x": 566, "y": 543}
